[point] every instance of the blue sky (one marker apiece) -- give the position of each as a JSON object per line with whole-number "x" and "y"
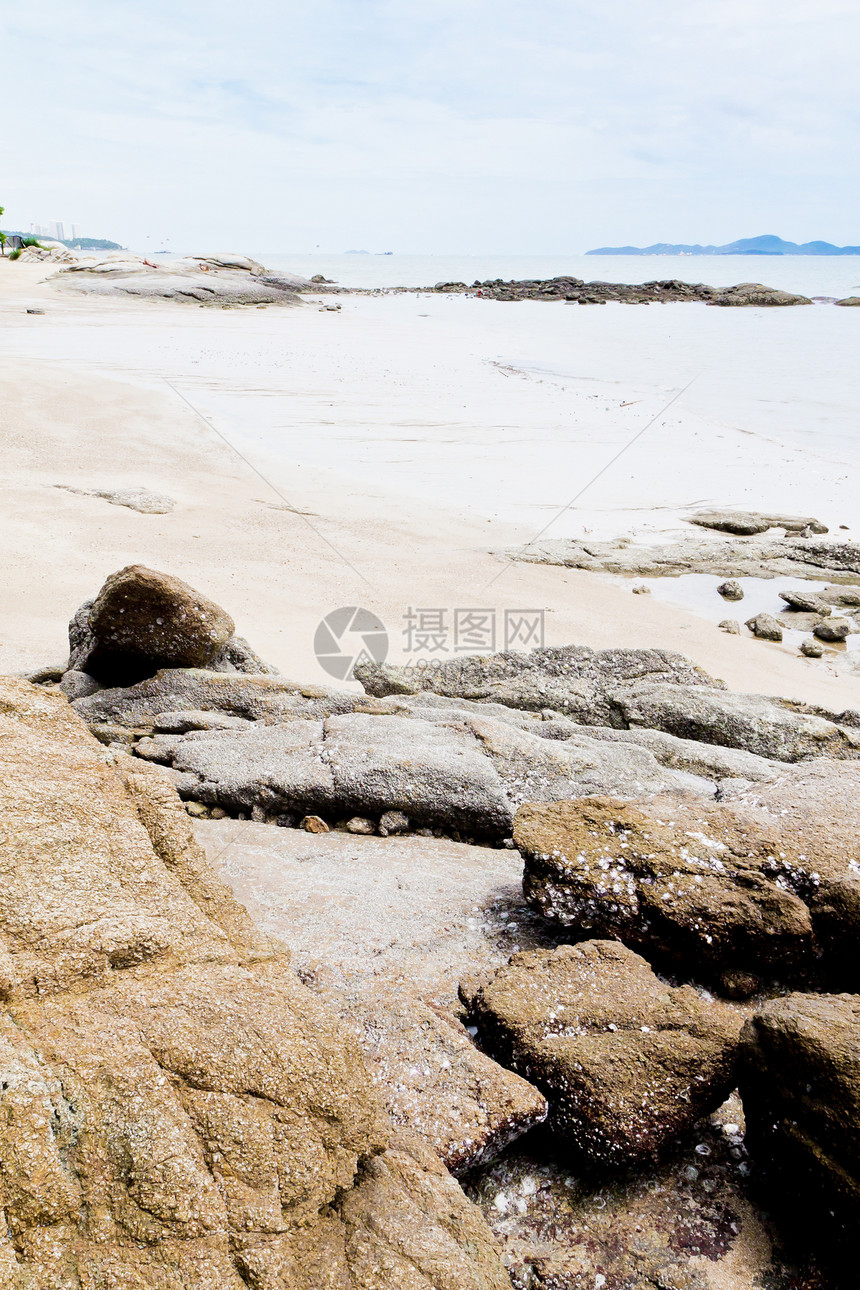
{"x": 468, "y": 126}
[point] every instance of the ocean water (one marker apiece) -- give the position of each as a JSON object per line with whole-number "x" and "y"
{"x": 809, "y": 275}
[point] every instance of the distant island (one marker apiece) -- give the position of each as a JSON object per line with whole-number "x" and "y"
{"x": 73, "y": 243}
{"x": 765, "y": 245}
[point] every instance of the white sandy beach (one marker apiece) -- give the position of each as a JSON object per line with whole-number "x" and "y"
{"x": 413, "y": 435}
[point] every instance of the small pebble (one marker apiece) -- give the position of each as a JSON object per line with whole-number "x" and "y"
{"x": 314, "y": 824}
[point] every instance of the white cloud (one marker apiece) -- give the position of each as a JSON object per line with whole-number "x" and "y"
{"x": 433, "y": 124}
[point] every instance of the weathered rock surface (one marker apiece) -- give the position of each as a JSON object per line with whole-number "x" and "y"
{"x": 769, "y": 558}
{"x": 433, "y": 1080}
{"x": 686, "y": 1223}
{"x": 806, "y": 601}
{"x": 833, "y": 629}
{"x": 212, "y": 280}
{"x": 135, "y": 499}
{"x": 765, "y": 627}
{"x": 627, "y": 1063}
{"x": 141, "y": 621}
{"x": 456, "y": 771}
{"x": 731, "y": 590}
{"x": 752, "y": 522}
{"x": 180, "y": 1113}
{"x": 764, "y": 885}
{"x": 598, "y": 293}
{"x": 800, "y": 1083}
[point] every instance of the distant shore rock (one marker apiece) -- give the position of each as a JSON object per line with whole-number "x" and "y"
{"x": 576, "y": 291}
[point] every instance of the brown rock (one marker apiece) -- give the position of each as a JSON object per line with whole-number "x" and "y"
{"x": 764, "y": 885}
{"x": 141, "y": 621}
{"x": 314, "y": 824}
{"x": 179, "y": 1112}
{"x": 626, "y": 1062}
{"x": 800, "y": 1082}
{"x": 432, "y": 1078}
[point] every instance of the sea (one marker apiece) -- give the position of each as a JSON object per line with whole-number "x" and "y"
{"x": 835, "y": 276}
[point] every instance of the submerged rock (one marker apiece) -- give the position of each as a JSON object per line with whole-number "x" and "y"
{"x": 626, "y": 1062}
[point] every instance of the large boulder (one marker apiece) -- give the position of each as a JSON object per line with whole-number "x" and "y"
{"x": 760, "y": 887}
{"x": 179, "y": 1111}
{"x": 627, "y": 1063}
{"x": 141, "y": 621}
{"x": 800, "y": 1083}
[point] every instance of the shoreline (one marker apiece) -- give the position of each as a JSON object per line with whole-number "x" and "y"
{"x": 92, "y": 417}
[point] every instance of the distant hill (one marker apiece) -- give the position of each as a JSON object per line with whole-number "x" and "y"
{"x": 768, "y": 244}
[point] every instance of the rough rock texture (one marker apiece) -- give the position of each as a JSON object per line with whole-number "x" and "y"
{"x": 598, "y": 293}
{"x": 420, "y": 913}
{"x": 762, "y": 886}
{"x": 180, "y": 1113}
{"x": 206, "y": 280}
{"x": 683, "y": 1224}
{"x": 141, "y": 621}
{"x": 135, "y": 499}
{"x": 833, "y": 629}
{"x": 571, "y": 679}
{"x": 455, "y": 770}
{"x": 752, "y": 522}
{"x": 806, "y": 601}
{"x": 627, "y": 1063}
{"x": 800, "y": 1083}
{"x": 433, "y": 1080}
{"x": 731, "y": 590}
{"x": 770, "y": 558}
{"x": 765, "y": 627}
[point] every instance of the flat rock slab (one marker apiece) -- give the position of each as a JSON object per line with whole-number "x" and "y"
{"x": 766, "y": 558}
{"x": 627, "y": 1063}
{"x": 385, "y": 928}
{"x": 685, "y": 1224}
{"x": 421, "y": 911}
{"x": 134, "y": 499}
{"x": 762, "y": 886}
{"x": 800, "y": 1082}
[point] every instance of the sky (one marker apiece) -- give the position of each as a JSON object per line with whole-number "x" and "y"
{"x": 431, "y": 126}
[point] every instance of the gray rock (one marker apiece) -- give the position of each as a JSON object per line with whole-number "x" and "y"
{"x": 800, "y": 1083}
{"x": 393, "y": 822}
{"x": 191, "y": 719}
{"x": 753, "y": 522}
{"x": 750, "y": 722}
{"x": 710, "y": 761}
{"x": 731, "y": 626}
{"x": 849, "y": 300}
{"x": 361, "y": 825}
{"x": 808, "y": 601}
{"x": 833, "y": 629}
{"x": 78, "y": 685}
{"x": 627, "y": 1063}
{"x": 731, "y": 590}
{"x": 207, "y": 280}
{"x": 766, "y": 558}
{"x": 459, "y": 772}
{"x": 135, "y": 499}
{"x": 811, "y": 649}
{"x": 141, "y": 621}
{"x": 571, "y": 679}
{"x": 765, "y": 627}
{"x": 841, "y": 595}
{"x": 796, "y": 620}
{"x": 237, "y": 656}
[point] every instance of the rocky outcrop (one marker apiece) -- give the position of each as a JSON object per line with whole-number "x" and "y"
{"x": 575, "y": 290}
{"x": 764, "y": 886}
{"x": 627, "y": 1063}
{"x": 203, "y": 280}
{"x": 746, "y": 523}
{"x": 180, "y": 1112}
{"x": 769, "y": 558}
{"x": 800, "y": 1083}
{"x": 141, "y": 621}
